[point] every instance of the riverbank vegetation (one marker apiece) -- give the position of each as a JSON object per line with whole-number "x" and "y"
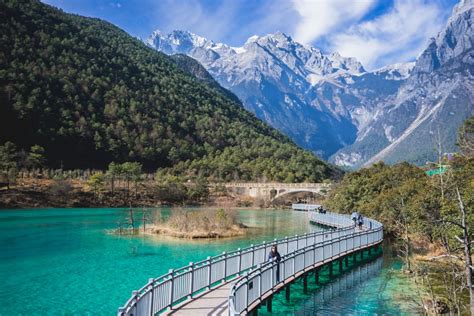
{"x": 120, "y": 186}
{"x": 432, "y": 217}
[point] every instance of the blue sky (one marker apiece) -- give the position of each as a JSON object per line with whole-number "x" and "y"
{"x": 377, "y": 32}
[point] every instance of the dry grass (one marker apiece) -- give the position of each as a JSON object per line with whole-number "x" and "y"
{"x": 199, "y": 224}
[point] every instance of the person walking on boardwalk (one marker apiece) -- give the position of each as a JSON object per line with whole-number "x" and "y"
{"x": 360, "y": 221}
{"x": 355, "y": 217}
{"x": 274, "y": 256}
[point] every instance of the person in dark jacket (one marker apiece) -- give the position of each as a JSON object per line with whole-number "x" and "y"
{"x": 274, "y": 256}
{"x": 360, "y": 221}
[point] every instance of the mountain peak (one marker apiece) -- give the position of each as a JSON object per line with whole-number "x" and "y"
{"x": 252, "y": 39}
{"x": 398, "y": 71}
{"x": 456, "y": 38}
{"x": 462, "y": 6}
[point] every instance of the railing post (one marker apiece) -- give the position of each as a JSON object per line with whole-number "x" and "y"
{"x": 294, "y": 262}
{"x": 171, "y": 288}
{"x": 209, "y": 279}
{"x": 150, "y": 281}
{"x": 225, "y": 266}
{"x": 253, "y": 254}
{"x": 240, "y": 261}
{"x": 191, "y": 267}
{"x": 135, "y": 300}
{"x": 260, "y": 281}
{"x": 304, "y": 259}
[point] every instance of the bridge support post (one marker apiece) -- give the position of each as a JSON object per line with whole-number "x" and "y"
{"x": 287, "y": 292}
{"x": 316, "y": 276}
{"x": 361, "y": 254}
{"x": 354, "y": 256}
{"x": 305, "y": 284}
{"x": 255, "y": 311}
{"x": 269, "y": 304}
{"x": 340, "y": 265}
{"x": 330, "y": 269}
{"x": 346, "y": 259}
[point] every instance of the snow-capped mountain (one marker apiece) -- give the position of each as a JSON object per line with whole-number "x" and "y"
{"x": 429, "y": 106}
{"x": 331, "y": 105}
{"x": 308, "y": 95}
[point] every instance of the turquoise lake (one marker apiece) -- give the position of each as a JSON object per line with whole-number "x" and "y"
{"x": 63, "y": 262}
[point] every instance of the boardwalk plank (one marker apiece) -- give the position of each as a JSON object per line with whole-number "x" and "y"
{"x": 213, "y": 302}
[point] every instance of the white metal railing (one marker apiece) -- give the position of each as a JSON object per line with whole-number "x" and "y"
{"x": 180, "y": 284}
{"x": 260, "y": 281}
{"x": 304, "y": 207}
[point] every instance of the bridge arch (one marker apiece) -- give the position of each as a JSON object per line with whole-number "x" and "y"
{"x": 286, "y": 192}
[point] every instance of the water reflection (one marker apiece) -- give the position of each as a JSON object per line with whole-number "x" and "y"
{"x": 352, "y": 279}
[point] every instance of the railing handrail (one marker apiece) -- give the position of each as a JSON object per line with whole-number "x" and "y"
{"x": 374, "y": 228}
{"x": 210, "y": 262}
{"x": 303, "y": 206}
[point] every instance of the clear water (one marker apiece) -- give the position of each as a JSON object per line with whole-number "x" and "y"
{"x": 373, "y": 286}
{"x": 62, "y": 261}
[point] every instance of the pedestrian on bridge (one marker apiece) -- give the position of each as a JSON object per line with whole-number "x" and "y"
{"x": 274, "y": 256}
{"x": 360, "y": 221}
{"x": 355, "y": 217}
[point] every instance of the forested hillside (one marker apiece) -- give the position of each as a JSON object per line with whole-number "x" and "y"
{"x": 429, "y": 212}
{"x": 91, "y": 94}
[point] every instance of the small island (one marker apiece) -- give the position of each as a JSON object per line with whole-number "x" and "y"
{"x": 214, "y": 223}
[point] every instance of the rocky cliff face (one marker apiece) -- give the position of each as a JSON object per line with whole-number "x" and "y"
{"x": 429, "y": 106}
{"x": 331, "y": 105}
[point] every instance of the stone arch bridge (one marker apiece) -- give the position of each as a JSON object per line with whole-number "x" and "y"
{"x": 273, "y": 190}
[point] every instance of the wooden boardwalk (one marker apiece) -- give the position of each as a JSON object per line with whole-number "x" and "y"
{"x": 213, "y": 302}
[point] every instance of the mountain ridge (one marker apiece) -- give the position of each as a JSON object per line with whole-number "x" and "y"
{"x": 274, "y": 76}
{"x": 330, "y": 104}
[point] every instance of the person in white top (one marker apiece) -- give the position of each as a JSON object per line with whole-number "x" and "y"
{"x": 355, "y": 217}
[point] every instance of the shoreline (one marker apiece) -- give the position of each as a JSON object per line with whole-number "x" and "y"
{"x": 28, "y": 195}
{"x": 34, "y": 193}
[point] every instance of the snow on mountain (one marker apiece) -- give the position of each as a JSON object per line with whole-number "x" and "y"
{"x": 332, "y": 106}
{"x": 399, "y": 71}
{"x": 430, "y": 105}
{"x": 285, "y": 83}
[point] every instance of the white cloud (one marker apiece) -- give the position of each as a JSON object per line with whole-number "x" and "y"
{"x": 117, "y": 5}
{"x": 319, "y": 17}
{"x": 229, "y": 21}
{"x": 396, "y": 36}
